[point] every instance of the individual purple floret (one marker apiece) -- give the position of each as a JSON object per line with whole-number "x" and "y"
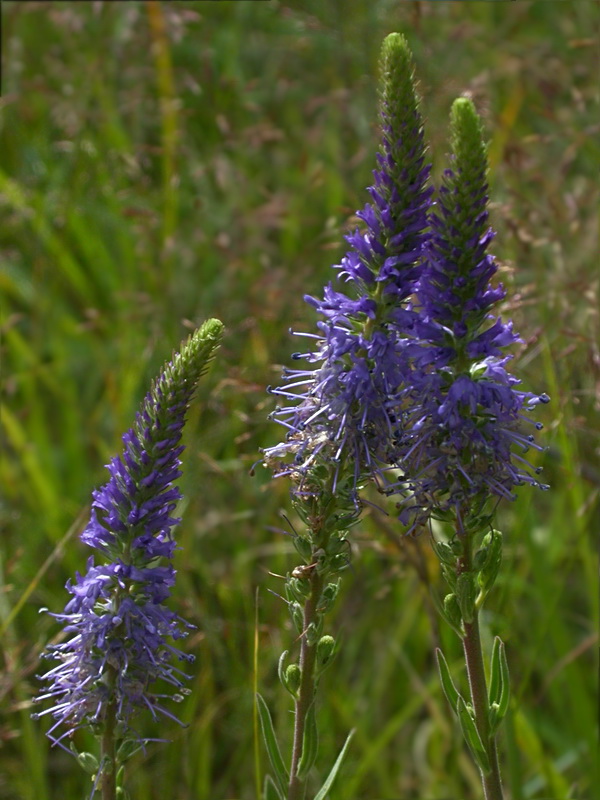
{"x": 343, "y": 404}
{"x": 466, "y": 418}
{"x": 118, "y": 628}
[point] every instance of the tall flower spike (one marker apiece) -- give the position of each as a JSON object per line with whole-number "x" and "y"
{"x": 468, "y": 418}
{"x": 118, "y": 626}
{"x": 340, "y": 410}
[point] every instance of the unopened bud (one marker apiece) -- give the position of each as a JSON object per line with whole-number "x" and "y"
{"x": 292, "y": 677}
{"x": 325, "y": 650}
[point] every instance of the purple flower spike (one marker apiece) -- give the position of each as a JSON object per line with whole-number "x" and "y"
{"x": 117, "y": 627}
{"x": 465, "y": 441}
{"x": 341, "y": 407}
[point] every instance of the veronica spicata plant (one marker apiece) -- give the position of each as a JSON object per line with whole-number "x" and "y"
{"x": 340, "y": 410}
{"x": 117, "y": 625}
{"x": 466, "y": 433}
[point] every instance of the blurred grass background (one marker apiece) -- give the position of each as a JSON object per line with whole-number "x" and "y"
{"x": 164, "y": 162}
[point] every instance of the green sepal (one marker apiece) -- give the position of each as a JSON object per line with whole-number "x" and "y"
{"x": 297, "y": 613}
{"x": 304, "y": 547}
{"x": 293, "y": 677}
{"x": 325, "y": 652}
{"x": 127, "y": 749}
{"x": 492, "y": 547}
{"x": 310, "y": 743}
{"x": 466, "y": 594}
{"x": 448, "y": 686}
{"x": 471, "y": 734}
{"x": 504, "y": 698}
{"x": 106, "y": 765}
{"x": 450, "y": 616}
{"x": 457, "y": 546}
{"x": 322, "y": 793}
{"x": 87, "y": 761}
{"x": 281, "y": 773}
{"x": 281, "y": 668}
{"x": 289, "y": 676}
{"x": 297, "y": 589}
{"x": 270, "y": 790}
{"x": 313, "y": 632}
{"x": 328, "y": 596}
{"x": 444, "y": 552}
{"x": 452, "y": 612}
{"x": 449, "y": 575}
{"x": 122, "y": 793}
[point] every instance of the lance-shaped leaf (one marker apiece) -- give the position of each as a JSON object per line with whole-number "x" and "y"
{"x": 472, "y": 737}
{"x": 270, "y": 790}
{"x": 322, "y": 793}
{"x": 310, "y": 743}
{"x": 499, "y": 691}
{"x": 495, "y": 688}
{"x": 448, "y": 686}
{"x": 273, "y": 750}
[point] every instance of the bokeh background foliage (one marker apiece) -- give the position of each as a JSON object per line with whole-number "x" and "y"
{"x": 163, "y": 162}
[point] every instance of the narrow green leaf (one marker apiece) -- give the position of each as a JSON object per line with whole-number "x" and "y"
{"x": 310, "y": 743}
{"x": 495, "y": 676}
{"x": 472, "y": 737}
{"x": 322, "y": 793}
{"x": 270, "y": 791}
{"x": 273, "y": 750}
{"x": 448, "y": 686}
{"x": 505, "y": 683}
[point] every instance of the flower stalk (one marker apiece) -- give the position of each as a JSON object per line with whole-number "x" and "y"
{"x": 473, "y": 651}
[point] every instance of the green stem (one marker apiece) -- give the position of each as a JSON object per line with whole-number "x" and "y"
{"x": 306, "y": 692}
{"x": 108, "y": 780}
{"x": 492, "y": 783}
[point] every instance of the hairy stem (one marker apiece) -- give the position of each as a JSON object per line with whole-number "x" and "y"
{"x": 108, "y": 754}
{"x": 307, "y": 688}
{"x": 492, "y": 784}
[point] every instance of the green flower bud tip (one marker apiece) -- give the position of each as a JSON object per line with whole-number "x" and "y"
{"x": 467, "y": 140}
{"x": 397, "y": 70}
{"x": 325, "y": 650}
{"x": 88, "y": 762}
{"x": 293, "y": 676}
{"x": 452, "y": 610}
